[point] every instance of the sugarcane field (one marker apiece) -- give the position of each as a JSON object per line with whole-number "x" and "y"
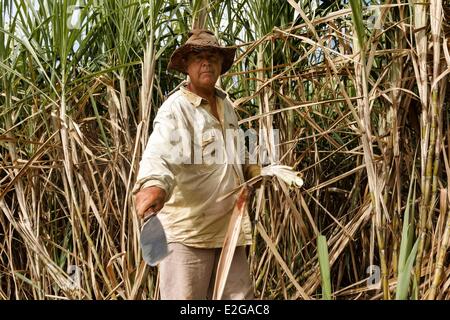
{"x": 340, "y": 106}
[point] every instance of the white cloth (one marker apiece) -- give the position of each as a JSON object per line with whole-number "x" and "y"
{"x": 285, "y": 173}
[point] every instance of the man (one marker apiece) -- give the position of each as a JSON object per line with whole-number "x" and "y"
{"x": 185, "y": 170}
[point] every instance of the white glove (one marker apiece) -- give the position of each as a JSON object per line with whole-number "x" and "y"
{"x": 285, "y": 173}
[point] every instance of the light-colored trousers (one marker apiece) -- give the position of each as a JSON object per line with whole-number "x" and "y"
{"x": 189, "y": 274}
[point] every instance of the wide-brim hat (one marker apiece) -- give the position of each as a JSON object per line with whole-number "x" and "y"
{"x": 201, "y": 39}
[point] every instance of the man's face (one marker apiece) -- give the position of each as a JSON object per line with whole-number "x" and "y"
{"x": 204, "y": 68}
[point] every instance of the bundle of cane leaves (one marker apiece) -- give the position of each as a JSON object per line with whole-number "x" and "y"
{"x": 285, "y": 173}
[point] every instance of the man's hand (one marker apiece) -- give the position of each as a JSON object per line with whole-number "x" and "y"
{"x": 251, "y": 171}
{"x": 149, "y": 201}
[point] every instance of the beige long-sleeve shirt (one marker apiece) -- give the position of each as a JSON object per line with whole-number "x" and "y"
{"x": 193, "y": 157}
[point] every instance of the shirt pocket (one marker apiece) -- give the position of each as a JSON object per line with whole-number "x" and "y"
{"x": 211, "y": 149}
{"x": 208, "y": 137}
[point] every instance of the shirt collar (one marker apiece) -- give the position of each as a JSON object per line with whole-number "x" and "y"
{"x": 196, "y": 100}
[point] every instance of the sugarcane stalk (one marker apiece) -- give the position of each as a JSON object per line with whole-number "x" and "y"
{"x": 426, "y": 190}
{"x": 437, "y": 278}
{"x": 200, "y": 14}
{"x": 366, "y": 137}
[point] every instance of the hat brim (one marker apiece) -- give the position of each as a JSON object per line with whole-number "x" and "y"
{"x": 177, "y": 60}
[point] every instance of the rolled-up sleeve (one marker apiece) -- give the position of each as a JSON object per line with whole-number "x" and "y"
{"x": 159, "y": 161}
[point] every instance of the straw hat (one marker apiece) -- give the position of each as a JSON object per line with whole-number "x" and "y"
{"x": 201, "y": 39}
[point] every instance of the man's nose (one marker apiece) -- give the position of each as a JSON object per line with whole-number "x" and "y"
{"x": 206, "y": 60}
{"x": 206, "y": 65}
